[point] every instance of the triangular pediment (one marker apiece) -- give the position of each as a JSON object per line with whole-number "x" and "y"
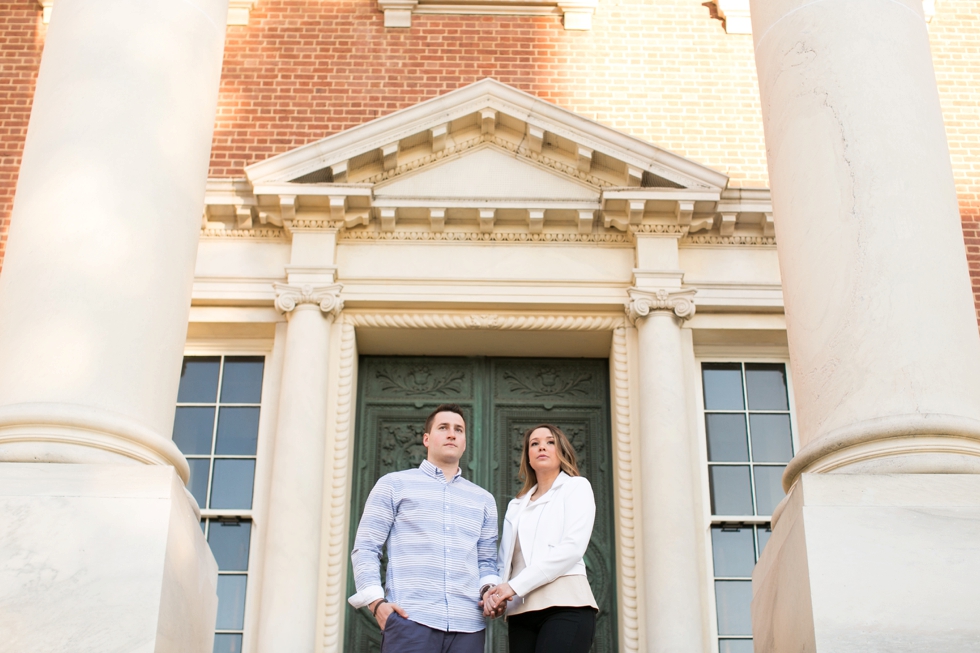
{"x": 486, "y": 111}
{"x": 487, "y": 173}
{"x": 486, "y": 157}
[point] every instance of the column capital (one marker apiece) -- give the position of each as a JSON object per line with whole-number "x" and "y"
{"x": 643, "y": 302}
{"x": 289, "y": 296}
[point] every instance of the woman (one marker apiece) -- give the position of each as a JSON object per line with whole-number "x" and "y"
{"x": 546, "y": 595}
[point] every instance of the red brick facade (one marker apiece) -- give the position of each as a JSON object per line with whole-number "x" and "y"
{"x": 662, "y": 70}
{"x": 21, "y": 42}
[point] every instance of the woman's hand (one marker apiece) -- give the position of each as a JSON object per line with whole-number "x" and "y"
{"x": 495, "y": 600}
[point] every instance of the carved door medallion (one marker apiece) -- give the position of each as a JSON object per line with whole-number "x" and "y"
{"x": 501, "y": 398}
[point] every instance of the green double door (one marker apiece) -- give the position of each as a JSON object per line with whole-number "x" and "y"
{"x": 501, "y": 397}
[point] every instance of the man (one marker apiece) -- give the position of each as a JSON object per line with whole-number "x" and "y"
{"x": 441, "y": 532}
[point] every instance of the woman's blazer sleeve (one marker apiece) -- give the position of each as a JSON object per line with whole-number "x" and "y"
{"x": 576, "y": 533}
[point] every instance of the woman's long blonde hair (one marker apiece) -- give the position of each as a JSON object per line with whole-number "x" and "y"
{"x": 566, "y": 457}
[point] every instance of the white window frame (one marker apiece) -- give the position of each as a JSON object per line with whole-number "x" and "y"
{"x": 749, "y": 355}
{"x": 263, "y": 459}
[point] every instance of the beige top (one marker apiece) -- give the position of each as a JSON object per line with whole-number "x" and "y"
{"x": 570, "y": 591}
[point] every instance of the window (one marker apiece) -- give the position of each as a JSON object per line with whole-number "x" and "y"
{"x": 749, "y": 441}
{"x": 216, "y": 427}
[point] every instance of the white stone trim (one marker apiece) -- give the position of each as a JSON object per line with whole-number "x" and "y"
{"x": 626, "y": 559}
{"x": 487, "y": 321}
{"x": 487, "y": 93}
{"x": 624, "y": 441}
{"x": 238, "y": 11}
{"x": 339, "y": 497}
{"x": 576, "y": 14}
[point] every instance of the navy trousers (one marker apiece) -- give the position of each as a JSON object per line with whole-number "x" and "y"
{"x": 405, "y": 636}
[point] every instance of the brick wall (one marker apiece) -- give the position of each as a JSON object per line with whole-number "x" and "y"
{"x": 21, "y": 41}
{"x": 955, "y": 33}
{"x": 661, "y": 70}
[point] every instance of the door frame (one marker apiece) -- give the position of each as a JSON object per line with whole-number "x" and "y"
{"x": 338, "y": 471}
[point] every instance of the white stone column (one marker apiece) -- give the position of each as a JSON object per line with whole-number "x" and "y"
{"x": 102, "y": 545}
{"x": 287, "y": 620}
{"x": 672, "y": 561}
{"x": 96, "y": 283}
{"x": 882, "y": 334}
{"x": 879, "y": 308}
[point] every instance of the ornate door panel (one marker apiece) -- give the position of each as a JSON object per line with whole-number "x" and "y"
{"x": 501, "y": 398}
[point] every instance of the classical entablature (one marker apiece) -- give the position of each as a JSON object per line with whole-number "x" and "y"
{"x": 487, "y": 162}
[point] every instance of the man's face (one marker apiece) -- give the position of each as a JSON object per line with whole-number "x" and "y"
{"x": 446, "y": 440}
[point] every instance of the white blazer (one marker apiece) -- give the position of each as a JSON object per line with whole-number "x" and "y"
{"x": 555, "y": 548}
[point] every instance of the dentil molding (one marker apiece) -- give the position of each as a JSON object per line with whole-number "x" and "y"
{"x": 288, "y": 297}
{"x": 643, "y": 302}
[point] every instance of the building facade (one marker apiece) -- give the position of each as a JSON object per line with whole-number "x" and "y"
{"x": 545, "y": 212}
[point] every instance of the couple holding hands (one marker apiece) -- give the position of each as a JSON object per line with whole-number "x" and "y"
{"x": 445, "y": 574}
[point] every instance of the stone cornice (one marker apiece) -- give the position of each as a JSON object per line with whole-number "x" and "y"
{"x": 644, "y": 302}
{"x": 288, "y": 297}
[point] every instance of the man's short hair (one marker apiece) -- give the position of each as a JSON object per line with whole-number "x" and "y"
{"x": 443, "y": 408}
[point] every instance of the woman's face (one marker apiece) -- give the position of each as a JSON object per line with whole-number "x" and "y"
{"x": 542, "y": 451}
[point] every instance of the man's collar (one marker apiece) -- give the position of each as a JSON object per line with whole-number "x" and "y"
{"x": 436, "y": 473}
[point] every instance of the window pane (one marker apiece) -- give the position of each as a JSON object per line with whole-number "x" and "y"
{"x": 764, "y": 533}
{"x": 722, "y": 386}
{"x": 733, "y": 550}
{"x": 229, "y": 544}
{"x": 768, "y": 488}
{"x": 227, "y": 643}
{"x": 198, "y": 380}
{"x": 731, "y": 492}
{"x": 232, "y": 485}
{"x": 727, "y": 439}
{"x": 735, "y": 646}
{"x": 198, "y": 484}
{"x": 766, "y": 386}
{"x": 231, "y": 602}
{"x": 242, "y": 380}
{"x": 771, "y": 440}
{"x": 734, "y": 600}
{"x": 193, "y": 426}
{"x": 238, "y": 431}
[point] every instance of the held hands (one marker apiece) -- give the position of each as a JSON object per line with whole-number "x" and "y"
{"x": 382, "y": 610}
{"x": 495, "y": 600}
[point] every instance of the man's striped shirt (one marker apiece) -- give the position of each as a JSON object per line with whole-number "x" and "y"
{"x": 442, "y": 547}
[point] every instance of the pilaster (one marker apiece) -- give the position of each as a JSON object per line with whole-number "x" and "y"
{"x": 669, "y": 485}
{"x": 288, "y": 608}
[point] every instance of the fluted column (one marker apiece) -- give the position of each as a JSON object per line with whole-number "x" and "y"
{"x": 671, "y": 552}
{"x": 876, "y": 546}
{"x": 287, "y": 610}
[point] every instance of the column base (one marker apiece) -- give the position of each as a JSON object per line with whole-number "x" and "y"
{"x": 869, "y": 563}
{"x": 102, "y": 558}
